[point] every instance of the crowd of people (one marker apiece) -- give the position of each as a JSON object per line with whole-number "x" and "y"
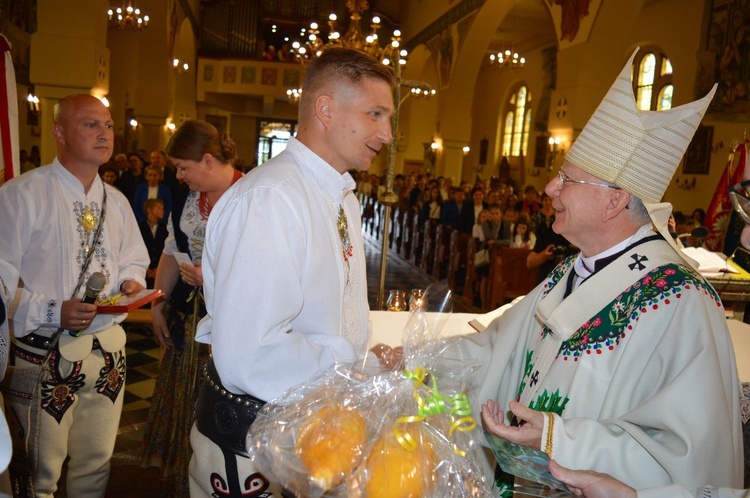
{"x": 619, "y": 361}
{"x": 489, "y": 210}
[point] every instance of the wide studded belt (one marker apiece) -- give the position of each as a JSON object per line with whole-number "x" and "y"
{"x": 43, "y": 342}
{"x": 222, "y": 416}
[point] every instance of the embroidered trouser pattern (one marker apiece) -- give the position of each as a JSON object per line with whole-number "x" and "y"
{"x": 215, "y": 473}
{"x": 81, "y": 405}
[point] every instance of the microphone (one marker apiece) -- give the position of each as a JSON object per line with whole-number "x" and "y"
{"x": 94, "y": 287}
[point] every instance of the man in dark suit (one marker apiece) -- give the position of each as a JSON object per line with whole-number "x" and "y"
{"x": 154, "y": 233}
{"x": 451, "y": 214}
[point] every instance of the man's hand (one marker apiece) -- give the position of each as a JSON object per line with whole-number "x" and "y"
{"x": 529, "y": 431}
{"x": 129, "y": 287}
{"x": 75, "y": 315}
{"x": 591, "y": 484}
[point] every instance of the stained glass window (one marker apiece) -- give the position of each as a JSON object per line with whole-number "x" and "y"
{"x": 652, "y": 82}
{"x": 517, "y": 123}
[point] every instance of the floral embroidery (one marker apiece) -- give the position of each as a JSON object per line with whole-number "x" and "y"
{"x": 558, "y": 273}
{"x": 111, "y": 376}
{"x": 660, "y": 287}
{"x": 51, "y": 310}
{"x": 58, "y": 393}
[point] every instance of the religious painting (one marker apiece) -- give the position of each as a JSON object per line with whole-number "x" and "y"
{"x": 230, "y": 74}
{"x": 572, "y": 13}
{"x": 219, "y": 122}
{"x": 442, "y": 50}
{"x": 269, "y": 76}
{"x": 573, "y": 19}
{"x": 728, "y": 64}
{"x": 291, "y": 77}
{"x": 248, "y": 75}
{"x": 208, "y": 73}
{"x": 698, "y": 155}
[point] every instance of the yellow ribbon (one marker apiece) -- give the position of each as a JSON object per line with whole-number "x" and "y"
{"x": 111, "y": 301}
{"x": 435, "y": 404}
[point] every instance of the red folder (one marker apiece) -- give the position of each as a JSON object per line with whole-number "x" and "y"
{"x": 124, "y": 304}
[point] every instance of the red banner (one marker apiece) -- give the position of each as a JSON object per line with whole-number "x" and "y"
{"x": 9, "y": 148}
{"x": 720, "y": 209}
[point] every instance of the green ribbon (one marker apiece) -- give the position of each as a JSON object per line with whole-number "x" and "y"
{"x": 434, "y": 404}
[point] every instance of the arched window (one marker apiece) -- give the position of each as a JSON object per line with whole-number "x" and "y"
{"x": 652, "y": 81}
{"x": 517, "y": 123}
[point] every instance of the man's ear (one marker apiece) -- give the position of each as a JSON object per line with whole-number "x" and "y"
{"x": 618, "y": 202}
{"x": 57, "y": 132}
{"x": 324, "y": 105}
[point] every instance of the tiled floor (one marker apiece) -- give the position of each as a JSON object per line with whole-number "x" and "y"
{"x": 129, "y": 479}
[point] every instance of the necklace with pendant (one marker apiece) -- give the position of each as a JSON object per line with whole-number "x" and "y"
{"x": 87, "y": 221}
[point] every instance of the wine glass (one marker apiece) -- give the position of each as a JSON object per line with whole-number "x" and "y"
{"x": 396, "y": 301}
{"x": 416, "y": 301}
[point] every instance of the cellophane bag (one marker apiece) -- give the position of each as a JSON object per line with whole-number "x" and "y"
{"x": 371, "y": 432}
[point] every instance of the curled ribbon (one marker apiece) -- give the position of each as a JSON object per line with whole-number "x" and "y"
{"x": 436, "y": 403}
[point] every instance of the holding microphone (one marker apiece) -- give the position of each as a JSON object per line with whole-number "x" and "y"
{"x": 94, "y": 287}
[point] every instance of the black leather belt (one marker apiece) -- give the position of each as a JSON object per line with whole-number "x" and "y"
{"x": 42, "y": 342}
{"x": 222, "y": 416}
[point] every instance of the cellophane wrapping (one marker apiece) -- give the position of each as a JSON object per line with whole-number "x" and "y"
{"x": 373, "y": 432}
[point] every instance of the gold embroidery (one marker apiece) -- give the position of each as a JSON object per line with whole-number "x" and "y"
{"x": 87, "y": 220}
{"x": 550, "y": 429}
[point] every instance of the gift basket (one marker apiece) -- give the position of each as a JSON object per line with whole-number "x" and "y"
{"x": 365, "y": 431}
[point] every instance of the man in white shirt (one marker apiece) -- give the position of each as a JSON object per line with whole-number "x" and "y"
{"x": 284, "y": 267}
{"x": 52, "y": 216}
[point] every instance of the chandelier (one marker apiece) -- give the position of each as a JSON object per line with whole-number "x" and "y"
{"x": 293, "y": 94}
{"x": 507, "y": 58}
{"x": 127, "y": 17}
{"x": 353, "y": 38}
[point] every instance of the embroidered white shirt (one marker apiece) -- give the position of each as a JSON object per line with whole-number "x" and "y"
{"x": 43, "y": 238}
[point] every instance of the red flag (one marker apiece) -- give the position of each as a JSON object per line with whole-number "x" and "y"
{"x": 720, "y": 209}
{"x": 9, "y": 148}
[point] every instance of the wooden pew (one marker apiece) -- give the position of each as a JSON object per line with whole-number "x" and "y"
{"x": 417, "y": 241}
{"x": 442, "y": 251}
{"x": 457, "y": 259}
{"x": 407, "y": 234}
{"x": 509, "y": 277}
{"x": 471, "y": 282}
{"x": 369, "y": 214}
{"x": 377, "y": 225}
{"x": 397, "y": 218}
{"x": 427, "y": 258}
